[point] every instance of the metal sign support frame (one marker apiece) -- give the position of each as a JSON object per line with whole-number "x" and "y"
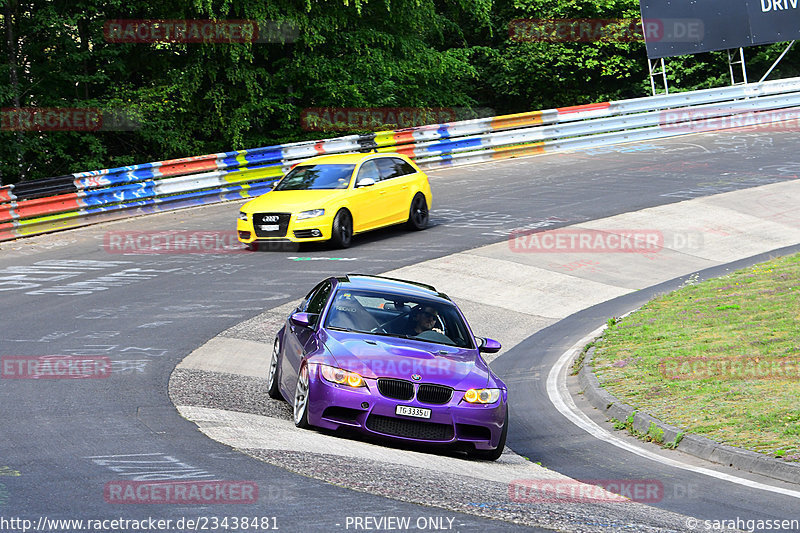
{"x": 775, "y": 64}
{"x": 656, "y": 67}
{"x": 655, "y": 70}
{"x": 732, "y": 62}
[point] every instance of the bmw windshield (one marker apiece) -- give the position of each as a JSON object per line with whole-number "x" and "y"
{"x": 396, "y": 315}
{"x": 323, "y": 176}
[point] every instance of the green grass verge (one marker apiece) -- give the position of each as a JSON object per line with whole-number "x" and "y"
{"x": 719, "y": 358}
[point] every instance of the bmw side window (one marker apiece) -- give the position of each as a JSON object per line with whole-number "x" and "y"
{"x": 317, "y": 302}
{"x": 304, "y": 304}
{"x": 369, "y": 170}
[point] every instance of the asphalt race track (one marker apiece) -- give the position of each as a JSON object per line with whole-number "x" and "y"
{"x": 64, "y": 440}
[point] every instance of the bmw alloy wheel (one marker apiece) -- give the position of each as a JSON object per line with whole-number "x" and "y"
{"x": 273, "y": 389}
{"x": 301, "y": 399}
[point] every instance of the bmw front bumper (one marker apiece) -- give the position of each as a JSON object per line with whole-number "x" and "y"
{"x": 365, "y": 409}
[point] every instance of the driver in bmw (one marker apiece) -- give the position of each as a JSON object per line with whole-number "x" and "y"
{"x": 422, "y": 319}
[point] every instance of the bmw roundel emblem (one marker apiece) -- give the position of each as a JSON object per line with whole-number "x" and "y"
{"x": 416, "y": 377}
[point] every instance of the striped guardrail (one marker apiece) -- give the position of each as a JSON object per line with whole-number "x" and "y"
{"x": 83, "y": 198}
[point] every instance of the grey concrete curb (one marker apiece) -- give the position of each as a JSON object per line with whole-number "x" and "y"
{"x": 696, "y": 445}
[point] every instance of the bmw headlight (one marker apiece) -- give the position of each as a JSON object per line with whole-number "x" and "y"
{"x": 310, "y": 214}
{"x": 242, "y": 216}
{"x": 342, "y": 377}
{"x": 482, "y": 395}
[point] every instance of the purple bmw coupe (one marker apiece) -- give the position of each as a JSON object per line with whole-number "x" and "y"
{"x": 393, "y": 359}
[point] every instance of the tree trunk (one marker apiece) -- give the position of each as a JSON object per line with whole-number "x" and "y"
{"x": 9, "y": 18}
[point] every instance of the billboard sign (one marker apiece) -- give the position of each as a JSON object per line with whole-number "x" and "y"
{"x": 707, "y": 25}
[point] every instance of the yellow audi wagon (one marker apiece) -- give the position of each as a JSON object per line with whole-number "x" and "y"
{"x": 333, "y": 197}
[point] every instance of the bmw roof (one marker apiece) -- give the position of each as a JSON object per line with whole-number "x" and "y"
{"x": 393, "y": 285}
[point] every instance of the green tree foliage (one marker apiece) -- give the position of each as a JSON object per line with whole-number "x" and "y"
{"x": 196, "y": 98}
{"x": 525, "y": 72}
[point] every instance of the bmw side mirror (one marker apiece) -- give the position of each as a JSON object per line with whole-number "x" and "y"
{"x": 301, "y": 319}
{"x": 365, "y": 182}
{"x": 486, "y": 345}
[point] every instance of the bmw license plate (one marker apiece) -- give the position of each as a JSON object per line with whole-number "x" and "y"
{"x": 269, "y": 227}
{"x": 412, "y": 411}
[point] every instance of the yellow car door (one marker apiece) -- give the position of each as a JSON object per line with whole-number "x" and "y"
{"x": 398, "y": 177}
{"x": 368, "y": 200}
